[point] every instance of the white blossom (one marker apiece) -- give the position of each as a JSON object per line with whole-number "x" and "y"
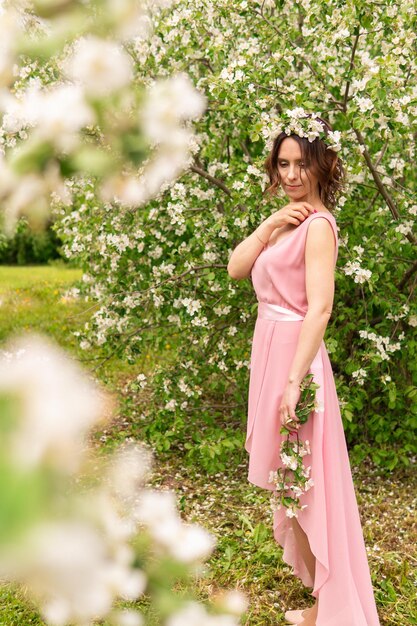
{"x": 360, "y": 274}
{"x": 68, "y": 568}
{"x": 60, "y": 404}
{"x": 359, "y": 374}
{"x": 319, "y": 405}
{"x": 405, "y": 228}
{"x": 233, "y": 601}
{"x": 58, "y": 114}
{"x": 185, "y": 542}
{"x": 155, "y": 507}
{"x": 129, "y": 468}
{"x": 412, "y": 320}
{"x": 364, "y": 104}
{"x": 128, "y": 617}
{"x": 169, "y": 101}
{"x": 191, "y": 305}
{"x": 309, "y": 483}
{"x": 100, "y": 66}
{"x": 194, "y": 614}
{"x": 289, "y": 461}
{"x": 383, "y": 345}
{"x": 291, "y": 511}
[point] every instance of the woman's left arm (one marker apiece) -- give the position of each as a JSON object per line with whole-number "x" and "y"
{"x": 319, "y": 263}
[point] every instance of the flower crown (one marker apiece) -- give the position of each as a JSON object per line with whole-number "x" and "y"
{"x": 296, "y": 122}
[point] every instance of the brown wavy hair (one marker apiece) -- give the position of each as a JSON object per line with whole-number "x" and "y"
{"x": 323, "y": 162}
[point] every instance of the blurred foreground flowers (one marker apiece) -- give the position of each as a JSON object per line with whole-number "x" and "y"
{"x": 72, "y": 104}
{"x": 82, "y": 531}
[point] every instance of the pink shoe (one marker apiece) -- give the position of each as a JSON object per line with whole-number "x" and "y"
{"x": 295, "y": 617}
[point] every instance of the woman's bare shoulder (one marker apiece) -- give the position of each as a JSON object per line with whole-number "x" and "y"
{"x": 321, "y": 232}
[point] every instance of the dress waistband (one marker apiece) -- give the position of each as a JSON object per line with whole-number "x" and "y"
{"x": 275, "y": 312}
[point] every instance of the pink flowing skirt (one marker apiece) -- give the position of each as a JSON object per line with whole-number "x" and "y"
{"x": 331, "y": 520}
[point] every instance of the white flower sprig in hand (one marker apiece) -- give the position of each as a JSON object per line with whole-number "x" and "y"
{"x": 293, "y": 480}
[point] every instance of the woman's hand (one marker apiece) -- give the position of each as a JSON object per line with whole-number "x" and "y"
{"x": 289, "y": 401}
{"x": 292, "y": 213}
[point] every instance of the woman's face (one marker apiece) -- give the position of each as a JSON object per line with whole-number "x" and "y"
{"x": 293, "y": 174}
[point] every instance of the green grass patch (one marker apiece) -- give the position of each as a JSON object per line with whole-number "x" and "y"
{"x": 32, "y": 299}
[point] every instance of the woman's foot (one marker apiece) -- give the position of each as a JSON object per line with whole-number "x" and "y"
{"x": 310, "y": 616}
{"x": 298, "y": 616}
{"x": 295, "y": 617}
{"x": 303, "y": 617}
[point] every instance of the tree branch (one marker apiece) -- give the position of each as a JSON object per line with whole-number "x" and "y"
{"x": 381, "y": 187}
{"x": 211, "y": 179}
{"x": 351, "y": 65}
{"x": 409, "y": 273}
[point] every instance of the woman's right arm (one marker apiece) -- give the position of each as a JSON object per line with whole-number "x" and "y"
{"x": 246, "y": 252}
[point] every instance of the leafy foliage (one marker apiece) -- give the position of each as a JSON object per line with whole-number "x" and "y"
{"x": 27, "y": 246}
{"x": 159, "y": 273}
{"x": 157, "y": 269}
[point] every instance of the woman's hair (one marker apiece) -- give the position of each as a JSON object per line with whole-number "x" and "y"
{"x": 323, "y": 161}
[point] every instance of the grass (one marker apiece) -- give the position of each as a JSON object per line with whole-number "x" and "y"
{"x": 237, "y": 513}
{"x": 32, "y": 300}
{"x": 248, "y": 557}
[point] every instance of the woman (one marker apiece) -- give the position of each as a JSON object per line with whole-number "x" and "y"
{"x": 291, "y": 258}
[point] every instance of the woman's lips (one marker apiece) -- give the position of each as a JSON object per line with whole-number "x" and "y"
{"x": 293, "y": 186}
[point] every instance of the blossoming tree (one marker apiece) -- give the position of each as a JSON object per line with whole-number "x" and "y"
{"x": 79, "y": 533}
{"x": 158, "y": 262}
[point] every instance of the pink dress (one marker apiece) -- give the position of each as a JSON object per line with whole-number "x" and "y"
{"x": 331, "y": 520}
